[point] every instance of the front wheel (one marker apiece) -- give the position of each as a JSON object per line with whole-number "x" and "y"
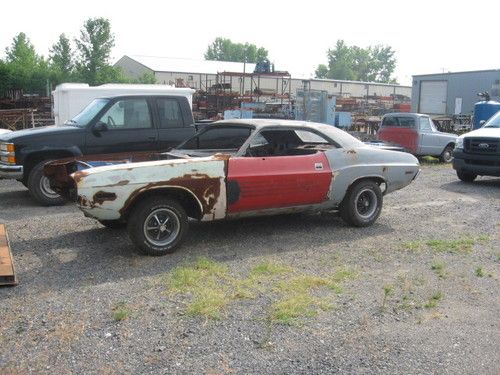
{"x": 446, "y": 155}
{"x": 362, "y": 204}
{"x": 39, "y": 187}
{"x": 466, "y": 177}
{"x": 157, "y": 225}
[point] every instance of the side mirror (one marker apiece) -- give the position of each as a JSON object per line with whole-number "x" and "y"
{"x": 481, "y": 123}
{"x": 100, "y": 127}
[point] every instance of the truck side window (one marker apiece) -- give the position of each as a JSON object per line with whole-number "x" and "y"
{"x": 225, "y": 138}
{"x": 128, "y": 114}
{"x": 170, "y": 113}
{"x": 425, "y": 125}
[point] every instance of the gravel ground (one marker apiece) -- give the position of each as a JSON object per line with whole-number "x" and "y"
{"x": 74, "y": 273}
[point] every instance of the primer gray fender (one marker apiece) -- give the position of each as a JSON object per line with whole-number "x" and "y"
{"x": 396, "y": 169}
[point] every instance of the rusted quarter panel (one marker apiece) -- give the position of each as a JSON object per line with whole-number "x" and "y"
{"x": 107, "y": 192}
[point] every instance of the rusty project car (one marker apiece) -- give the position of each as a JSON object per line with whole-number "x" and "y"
{"x": 233, "y": 169}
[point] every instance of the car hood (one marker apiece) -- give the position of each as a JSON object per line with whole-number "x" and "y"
{"x": 38, "y": 132}
{"x": 482, "y": 133}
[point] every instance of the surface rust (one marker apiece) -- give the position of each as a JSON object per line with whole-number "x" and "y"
{"x": 103, "y": 196}
{"x": 204, "y": 187}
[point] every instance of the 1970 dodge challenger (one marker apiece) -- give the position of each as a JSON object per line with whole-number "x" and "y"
{"x": 233, "y": 169}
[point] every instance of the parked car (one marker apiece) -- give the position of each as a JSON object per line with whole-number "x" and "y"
{"x": 4, "y": 131}
{"x": 478, "y": 152}
{"x": 417, "y": 134}
{"x": 114, "y": 124}
{"x": 233, "y": 169}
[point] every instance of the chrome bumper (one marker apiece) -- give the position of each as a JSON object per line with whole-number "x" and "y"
{"x": 11, "y": 171}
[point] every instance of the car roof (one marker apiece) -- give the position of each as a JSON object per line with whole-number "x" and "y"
{"x": 338, "y": 135}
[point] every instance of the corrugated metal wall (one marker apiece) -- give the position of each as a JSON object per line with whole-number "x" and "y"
{"x": 463, "y": 85}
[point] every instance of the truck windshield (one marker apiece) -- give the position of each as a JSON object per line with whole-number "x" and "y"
{"x": 493, "y": 122}
{"x": 84, "y": 117}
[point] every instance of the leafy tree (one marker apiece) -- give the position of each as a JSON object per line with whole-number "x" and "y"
{"x": 94, "y": 50}
{"x": 223, "y": 49}
{"x": 146, "y": 78}
{"x": 61, "y": 56}
{"x": 21, "y": 52}
{"x": 373, "y": 64}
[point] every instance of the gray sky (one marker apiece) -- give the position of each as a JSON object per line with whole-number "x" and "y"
{"x": 428, "y": 36}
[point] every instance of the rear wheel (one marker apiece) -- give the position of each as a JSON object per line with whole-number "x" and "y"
{"x": 157, "y": 225}
{"x": 362, "y": 204}
{"x": 466, "y": 177}
{"x": 39, "y": 187}
{"x": 447, "y": 155}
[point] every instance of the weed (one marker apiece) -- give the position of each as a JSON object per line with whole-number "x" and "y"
{"x": 438, "y": 268}
{"x": 412, "y": 245}
{"x": 462, "y": 245}
{"x": 388, "y": 290}
{"x": 207, "y": 302}
{"x": 291, "y": 307}
{"x": 497, "y": 256}
{"x": 120, "y": 311}
{"x": 269, "y": 268}
{"x": 432, "y": 302}
{"x": 479, "y": 272}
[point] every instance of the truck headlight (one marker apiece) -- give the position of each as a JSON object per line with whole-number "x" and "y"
{"x": 460, "y": 143}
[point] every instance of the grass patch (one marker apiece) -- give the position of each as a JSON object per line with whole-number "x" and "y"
{"x": 479, "y": 272}
{"x": 438, "y": 268}
{"x": 120, "y": 311}
{"x": 460, "y": 245}
{"x": 432, "y": 302}
{"x": 208, "y": 288}
{"x": 388, "y": 291}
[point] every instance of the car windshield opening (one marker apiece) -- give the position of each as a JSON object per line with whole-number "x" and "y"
{"x": 216, "y": 139}
{"x": 493, "y": 122}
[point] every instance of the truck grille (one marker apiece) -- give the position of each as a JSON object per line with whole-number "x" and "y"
{"x": 485, "y": 146}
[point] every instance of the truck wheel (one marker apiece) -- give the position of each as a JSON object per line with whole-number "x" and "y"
{"x": 157, "y": 226}
{"x": 466, "y": 177}
{"x": 362, "y": 204}
{"x": 113, "y": 224}
{"x": 446, "y": 155}
{"x": 39, "y": 187}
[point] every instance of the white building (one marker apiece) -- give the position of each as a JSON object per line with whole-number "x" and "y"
{"x": 202, "y": 74}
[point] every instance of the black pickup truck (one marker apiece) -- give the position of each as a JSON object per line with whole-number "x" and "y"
{"x": 131, "y": 126}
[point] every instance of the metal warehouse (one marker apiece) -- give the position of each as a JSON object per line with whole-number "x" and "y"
{"x": 201, "y": 75}
{"x": 452, "y": 93}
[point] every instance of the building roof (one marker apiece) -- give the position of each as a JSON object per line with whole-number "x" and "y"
{"x": 178, "y": 65}
{"x": 464, "y": 72}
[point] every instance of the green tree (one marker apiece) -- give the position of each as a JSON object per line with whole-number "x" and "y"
{"x": 61, "y": 56}
{"x": 94, "y": 51}
{"x": 223, "y": 49}
{"x": 373, "y": 64}
{"x": 21, "y": 52}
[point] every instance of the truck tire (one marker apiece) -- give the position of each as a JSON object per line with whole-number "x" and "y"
{"x": 39, "y": 188}
{"x": 466, "y": 177}
{"x": 447, "y": 155}
{"x": 157, "y": 225}
{"x": 362, "y": 204}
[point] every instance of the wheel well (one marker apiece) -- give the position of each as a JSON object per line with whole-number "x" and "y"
{"x": 36, "y": 157}
{"x": 185, "y": 198}
{"x": 451, "y": 144}
{"x": 378, "y": 180}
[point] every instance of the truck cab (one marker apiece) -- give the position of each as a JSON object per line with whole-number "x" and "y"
{"x": 124, "y": 124}
{"x": 417, "y": 134}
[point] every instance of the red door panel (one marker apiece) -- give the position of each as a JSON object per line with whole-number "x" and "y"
{"x": 256, "y": 183}
{"x": 406, "y": 137}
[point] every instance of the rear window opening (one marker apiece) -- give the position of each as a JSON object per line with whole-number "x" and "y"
{"x": 399, "y": 121}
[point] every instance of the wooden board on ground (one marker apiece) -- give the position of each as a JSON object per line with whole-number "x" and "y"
{"x": 7, "y": 271}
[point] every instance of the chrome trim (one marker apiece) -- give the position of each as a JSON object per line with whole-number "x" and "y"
{"x": 5, "y": 153}
{"x": 11, "y": 171}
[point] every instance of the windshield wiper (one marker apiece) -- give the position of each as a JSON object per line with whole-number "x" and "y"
{"x": 70, "y": 122}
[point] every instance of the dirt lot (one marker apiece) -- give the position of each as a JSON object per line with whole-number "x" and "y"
{"x": 416, "y": 293}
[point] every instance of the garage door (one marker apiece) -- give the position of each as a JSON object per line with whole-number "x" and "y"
{"x": 433, "y": 97}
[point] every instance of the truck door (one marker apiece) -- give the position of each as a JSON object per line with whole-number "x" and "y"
{"x": 429, "y": 143}
{"x": 400, "y": 130}
{"x": 173, "y": 128}
{"x": 126, "y": 126}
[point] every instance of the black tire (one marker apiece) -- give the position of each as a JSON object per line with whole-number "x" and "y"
{"x": 362, "y": 204}
{"x": 38, "y": 186}
{"x": 447, "y": 155}
{"x": 154, "y": 213}
{"x": 113, "y": 224}
{"x": 466, "y": 177}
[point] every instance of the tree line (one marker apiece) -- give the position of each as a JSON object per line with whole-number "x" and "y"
{"x": 87, "y": 59}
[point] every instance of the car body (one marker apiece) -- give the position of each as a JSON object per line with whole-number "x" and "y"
{"x": 417, "y": 134}
{"x": 478, "y": 152}
{"x": 4, "y": 131}
{"x": 238, "y": 168}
